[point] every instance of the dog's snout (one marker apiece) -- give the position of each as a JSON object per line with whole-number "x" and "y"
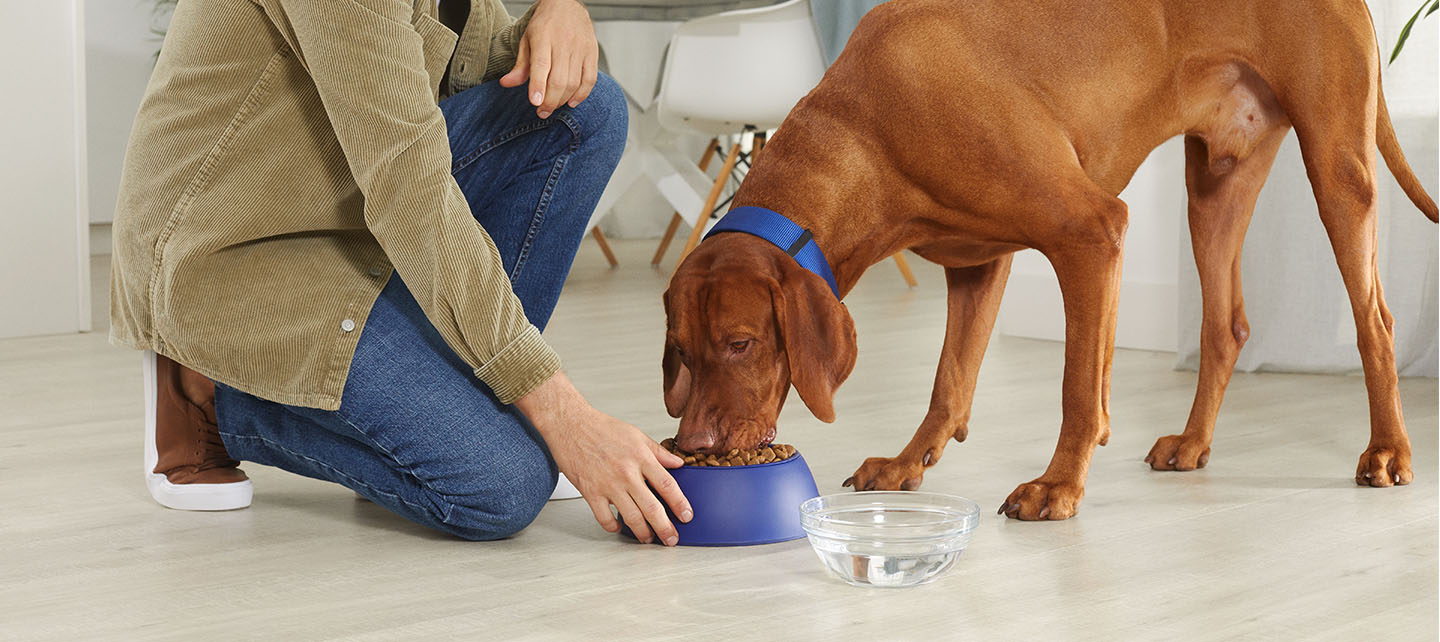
{"x": 697, "y": 442}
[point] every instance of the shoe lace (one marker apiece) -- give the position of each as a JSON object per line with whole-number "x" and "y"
{"x": 211, "y": 448}
{"x": 214, "y": 454}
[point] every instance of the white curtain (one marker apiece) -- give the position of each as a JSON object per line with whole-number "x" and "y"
{"x": 835, "y": 19}
{"x": 1299, "y": 312}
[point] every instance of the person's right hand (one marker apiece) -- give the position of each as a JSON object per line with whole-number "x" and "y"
{"x": 608, "y": 461}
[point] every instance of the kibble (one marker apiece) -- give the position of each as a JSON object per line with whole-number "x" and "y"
{"x": 768, "y": 454}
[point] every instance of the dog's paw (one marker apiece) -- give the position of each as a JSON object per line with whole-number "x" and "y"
{"x": 1384, "y": 466}
{"x": 1041, "y": 499}
{"x": 1175, "y": 452}
{"x": 887, "y": 473}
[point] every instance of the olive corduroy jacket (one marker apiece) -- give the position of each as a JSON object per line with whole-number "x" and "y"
{"x": 287, "y": 157}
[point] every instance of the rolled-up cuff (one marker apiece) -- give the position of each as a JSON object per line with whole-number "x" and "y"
{"x": 520, "y": 367}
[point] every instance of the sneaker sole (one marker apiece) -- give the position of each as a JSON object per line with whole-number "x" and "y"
{"x": 564, "y": 489}
{"x": 202, "y": 497}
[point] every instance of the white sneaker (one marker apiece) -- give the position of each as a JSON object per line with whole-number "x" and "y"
{"x": 197, "y": 473}
{"x": 564, "y": 489}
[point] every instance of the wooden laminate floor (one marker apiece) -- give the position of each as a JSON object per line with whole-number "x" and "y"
{"x": 1273, "y": 541}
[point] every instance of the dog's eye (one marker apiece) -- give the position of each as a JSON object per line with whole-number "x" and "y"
{"x": 739, "y": 346}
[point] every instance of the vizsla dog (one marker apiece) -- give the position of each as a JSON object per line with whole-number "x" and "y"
{"x": 965, "y": 131}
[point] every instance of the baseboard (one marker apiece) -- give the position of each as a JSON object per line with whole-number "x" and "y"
{"x": 99, "y": 239}
{"x": 1032, "y": 308}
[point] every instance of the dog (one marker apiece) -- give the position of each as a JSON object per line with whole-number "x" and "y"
{"x": 965, "y": 132}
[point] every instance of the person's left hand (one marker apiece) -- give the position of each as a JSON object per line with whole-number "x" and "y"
{"x": 558, "y": 55}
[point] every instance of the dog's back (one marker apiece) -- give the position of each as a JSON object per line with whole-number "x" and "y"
{"x": 948, "y": 90}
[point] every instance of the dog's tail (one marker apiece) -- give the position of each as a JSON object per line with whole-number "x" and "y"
{"x": 1395, "y": 160}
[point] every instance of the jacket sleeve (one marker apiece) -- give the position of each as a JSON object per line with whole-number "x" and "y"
{"x": 368, "y": 64}
{"x": 505, "y": 44}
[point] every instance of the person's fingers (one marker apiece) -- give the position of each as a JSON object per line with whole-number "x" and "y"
{"x": 540, "y": 64}
{"x": 564, "y": 77}
{"x": 633, "y": 517}
{"x": 601, "y": 508}
{"x": 665, "y": 486}
{"x": 574, "y": 76}
{"x": 665, "y": 457}
{"x": 654, "y": 513}
{"x": 521, "y": 71}
{"x": 588, "y": 76}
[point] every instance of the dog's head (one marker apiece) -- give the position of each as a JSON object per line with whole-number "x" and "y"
{"x": 744, "y": 322}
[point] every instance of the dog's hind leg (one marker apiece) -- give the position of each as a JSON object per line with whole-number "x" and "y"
{"x": 1338, "y": 145}
{"x": 973, "y": 298}
{"x": 1345, "y": 187}
{"x": 1220, "y": 205}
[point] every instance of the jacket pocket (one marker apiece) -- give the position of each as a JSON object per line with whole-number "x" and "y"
{"x": 439, "y": 45}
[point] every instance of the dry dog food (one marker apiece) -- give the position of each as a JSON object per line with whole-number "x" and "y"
{"x": 768, "y": 454}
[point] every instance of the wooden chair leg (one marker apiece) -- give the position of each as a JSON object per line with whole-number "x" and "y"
{"x": 904, "y": 266}
{"x": 715, "y": 192}
{"x": 604, "y": 246}
{"x": 757, "y": 145}
{"x": 675, "y": 218}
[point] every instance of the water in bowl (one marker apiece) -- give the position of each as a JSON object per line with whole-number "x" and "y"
{"x": 889, "y": 539}
{"x": 860, "y": 564}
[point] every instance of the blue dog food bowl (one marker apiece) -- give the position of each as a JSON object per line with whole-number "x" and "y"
{"x": 742, "y": 505}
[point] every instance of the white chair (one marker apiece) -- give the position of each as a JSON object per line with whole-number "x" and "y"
{"x": 733, "y": 74}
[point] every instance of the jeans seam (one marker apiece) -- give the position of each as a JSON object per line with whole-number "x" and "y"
{"x": 542, "y": 207}
{"x": 497, "y": 141}
{"x": 538, "y": 217}
{"x": 357, "y": 481}
{"x": 404, "y": 467}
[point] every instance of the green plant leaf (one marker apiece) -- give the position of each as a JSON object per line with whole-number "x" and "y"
{"x": 1427, "y": 7}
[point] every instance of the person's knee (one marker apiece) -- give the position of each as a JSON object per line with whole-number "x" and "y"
{"x": 604, "y": 116}
{"x": 504, "y": 508}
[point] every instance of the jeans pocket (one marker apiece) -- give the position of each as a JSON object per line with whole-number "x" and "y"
{"x": 537, "y": 218}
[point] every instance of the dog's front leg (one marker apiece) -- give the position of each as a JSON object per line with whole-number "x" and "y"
{"x": 1089, "y": 275}
{"x": 973, "y": 298}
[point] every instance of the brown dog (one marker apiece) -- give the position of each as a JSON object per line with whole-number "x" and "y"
{"x": 967, "y": 131}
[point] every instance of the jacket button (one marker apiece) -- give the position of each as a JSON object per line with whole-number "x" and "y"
{"x": 347, "y": 325}
{"x": 375, "y": 271}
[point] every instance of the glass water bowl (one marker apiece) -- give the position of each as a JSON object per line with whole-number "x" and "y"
{"x": 889, "y": 539}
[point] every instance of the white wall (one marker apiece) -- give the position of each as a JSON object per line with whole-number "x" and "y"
{"x": 1410, "y": 83}
{"x": 44, "y": 262}
{"x": 119, "y": 55}
{"x": 1032, "y": 307}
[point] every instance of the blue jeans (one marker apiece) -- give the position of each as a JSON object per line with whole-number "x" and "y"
{"x": 416, "y": 431}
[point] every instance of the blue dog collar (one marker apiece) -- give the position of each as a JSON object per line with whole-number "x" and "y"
{"x": 783, "y": 233}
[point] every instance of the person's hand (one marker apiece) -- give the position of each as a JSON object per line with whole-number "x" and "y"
{"x": 558, "y": 55}
{"x": 608, "y": 461}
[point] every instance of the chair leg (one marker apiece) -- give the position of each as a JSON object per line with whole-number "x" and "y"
{"x": 675, "y": 218}
{"x": 904, "y": 266}
{"x": 604, "y": 246}
{"x": 715, "y": 191}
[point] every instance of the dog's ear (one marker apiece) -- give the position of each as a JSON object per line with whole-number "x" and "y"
{"x": 819, "y": 338}
{"x": 677, "y": 377}
{"x": 677, "y": 381}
